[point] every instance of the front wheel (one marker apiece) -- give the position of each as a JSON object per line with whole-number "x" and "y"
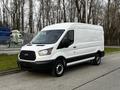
{"x": 58, "y": 69}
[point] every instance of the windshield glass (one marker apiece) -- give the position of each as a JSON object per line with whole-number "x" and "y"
{"x": 47, "y": 37}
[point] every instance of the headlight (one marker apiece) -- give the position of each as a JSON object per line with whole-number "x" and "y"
{"x": 45, "y": 52}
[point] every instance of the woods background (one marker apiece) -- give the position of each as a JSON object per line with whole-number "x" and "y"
{"x": 32, "y": 15}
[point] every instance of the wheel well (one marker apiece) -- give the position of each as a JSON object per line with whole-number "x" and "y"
{"x": 99, "y": 52}
{"x": 61, "y": 58}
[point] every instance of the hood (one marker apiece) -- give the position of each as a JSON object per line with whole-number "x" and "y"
{"x": 37, "y": 47}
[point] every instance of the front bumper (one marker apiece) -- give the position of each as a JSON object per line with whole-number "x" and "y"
{"x": 38, "y": 65}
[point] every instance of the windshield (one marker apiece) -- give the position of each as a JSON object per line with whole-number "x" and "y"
{"x": 47, "y": 37}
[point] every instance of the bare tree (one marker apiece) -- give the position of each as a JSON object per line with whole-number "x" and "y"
{"x": 64, "y": 11}
{"x": 22, "y": 14}
{"x": 31, "y": 16}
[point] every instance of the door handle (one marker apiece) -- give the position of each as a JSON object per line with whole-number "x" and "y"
{"x": 74, "y": 46}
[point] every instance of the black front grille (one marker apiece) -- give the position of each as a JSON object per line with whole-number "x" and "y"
{"x": 27, "y": 55}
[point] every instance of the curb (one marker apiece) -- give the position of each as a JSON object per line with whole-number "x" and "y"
{"x": 10, "y": 49}
{"x": 9, "y": 52}
{"x": 8, "y": 72}
{"x": 112, "y": 53}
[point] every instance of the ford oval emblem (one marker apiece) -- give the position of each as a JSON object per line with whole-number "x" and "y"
{"x": 26, "y": 54}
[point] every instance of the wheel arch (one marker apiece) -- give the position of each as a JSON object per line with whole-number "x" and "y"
{"x": 101, "y": 53}
{"x": 61, "y": 58}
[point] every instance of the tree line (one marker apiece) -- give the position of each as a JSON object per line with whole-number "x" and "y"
{"x": 33, "y": 15}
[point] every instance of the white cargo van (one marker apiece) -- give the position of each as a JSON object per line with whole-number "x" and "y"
{"x": 60, "y": 45}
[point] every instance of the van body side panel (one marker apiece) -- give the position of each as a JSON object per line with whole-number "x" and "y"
{"x": 88, "y": 41}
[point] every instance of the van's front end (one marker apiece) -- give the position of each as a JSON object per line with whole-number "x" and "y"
{"x": 39, "y": 53}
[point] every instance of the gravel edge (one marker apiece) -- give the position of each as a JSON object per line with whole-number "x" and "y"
{"x": 11, "y": 71}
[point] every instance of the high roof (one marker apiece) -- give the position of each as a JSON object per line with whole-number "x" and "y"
{"x": 70, "y": 26}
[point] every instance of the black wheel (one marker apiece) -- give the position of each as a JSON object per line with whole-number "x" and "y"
{"x": 58, "y": 68}
{"x": 97, "y": 60}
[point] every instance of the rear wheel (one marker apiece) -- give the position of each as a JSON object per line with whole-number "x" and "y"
{"x": 58, "y": 68}
{"x": 97, "y": 60}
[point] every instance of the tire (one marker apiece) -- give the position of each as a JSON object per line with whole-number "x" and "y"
{"x": 58, "y": 68}
{"x": 97, "y": 60}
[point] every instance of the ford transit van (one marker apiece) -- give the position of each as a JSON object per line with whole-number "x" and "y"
{"x": 60, "y": 45}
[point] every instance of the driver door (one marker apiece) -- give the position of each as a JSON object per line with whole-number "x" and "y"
{"x": 66, "y": 45}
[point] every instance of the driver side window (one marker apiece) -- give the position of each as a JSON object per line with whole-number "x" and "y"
{"x": 67, "y": 40}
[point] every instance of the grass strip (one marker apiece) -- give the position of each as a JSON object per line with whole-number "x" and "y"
{"x": 8, "y": 62}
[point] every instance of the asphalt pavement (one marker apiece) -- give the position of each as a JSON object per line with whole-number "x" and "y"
{"x": 81, "y": 77}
